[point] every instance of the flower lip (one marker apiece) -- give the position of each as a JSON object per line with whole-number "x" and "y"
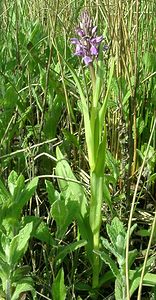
{"x": 87, "y": 60}
{"x": 94, "y": 50}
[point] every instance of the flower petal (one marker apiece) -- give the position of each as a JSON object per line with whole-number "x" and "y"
{"x": 94, "y": 50}
{"x": 74, "y": 41}
{"x": 79, "y": 50}
{"x": 80, "y": 32}
{"x": 96, "y": 40}
{"x": 99, "y": 39}
{"x": 87, "y": 60}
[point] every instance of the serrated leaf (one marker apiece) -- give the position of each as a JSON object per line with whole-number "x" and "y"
{"x": 119, "y": 289}
{"x": 108, "y": 246}
{"x": 115, "y": 229}
{"x": 109, "y": 261}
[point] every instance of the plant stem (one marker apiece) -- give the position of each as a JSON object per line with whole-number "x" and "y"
{"x": 95, "y": 222}
{"x": 93, "y": 77}
{"x": 8, "y": 289}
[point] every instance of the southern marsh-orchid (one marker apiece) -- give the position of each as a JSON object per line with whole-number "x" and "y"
{"x": 87, "y": 44}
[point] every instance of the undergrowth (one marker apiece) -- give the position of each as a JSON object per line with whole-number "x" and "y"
{"x": 77, "y": 152}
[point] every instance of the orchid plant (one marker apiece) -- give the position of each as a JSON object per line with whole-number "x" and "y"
{"x": 90, "y": 47}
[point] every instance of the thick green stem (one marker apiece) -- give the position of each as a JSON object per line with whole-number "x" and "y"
{"x": 95, "y": 222}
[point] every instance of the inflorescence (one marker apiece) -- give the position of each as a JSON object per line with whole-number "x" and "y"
{"x": 88, "y": 43}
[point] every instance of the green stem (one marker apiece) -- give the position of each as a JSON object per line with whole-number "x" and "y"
{"x": 93, "y": 77}
{"x": 8, "y": 289}
{"x": 95, "y": 222}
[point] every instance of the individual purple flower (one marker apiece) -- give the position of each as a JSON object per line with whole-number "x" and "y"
{"x": 88, "y": 43}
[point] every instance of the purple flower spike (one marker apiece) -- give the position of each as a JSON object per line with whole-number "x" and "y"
{"x": 88, "y": 43}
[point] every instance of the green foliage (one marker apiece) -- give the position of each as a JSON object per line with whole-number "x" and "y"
{"x": 70, "y": 190}
{"x": 15, "y": 237}
{"x": 58, "y": 287}
{"x": 49, "y": 229}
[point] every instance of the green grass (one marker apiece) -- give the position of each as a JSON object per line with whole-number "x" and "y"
{"x": 43, "y": 138}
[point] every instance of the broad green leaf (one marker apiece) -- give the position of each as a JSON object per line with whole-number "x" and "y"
{"x": 120, "y": 245}
{"x": 63, "y": 214}
{"x": 134, "y": 280}
{"x": 28, "y": 192}
{"x": 19, "y": 243}
{"x": 143, "y": 232}
{"x": 131, "y": 231}
{"x": 12, "y": 181}
{"x": 23, "y": 287}
{"x": 149, "y": 279}
{"x": 53, "y": 194}
{"x": 24, "y": 197}
{"x": 52, "y": 117}
{"x": 16, "y": 185}
{"x": 82, "y": 286}
{"x": 58, "y": 286}
{"x": 71, "y": 190}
